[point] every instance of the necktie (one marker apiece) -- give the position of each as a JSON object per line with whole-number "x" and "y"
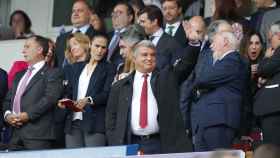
{"x": 113, "y": 44}
{"x": 151, "y": 38}
{"x": 144, "y": 103}
{"x": 20, "y": 90}
{"x": 170, "y": 30}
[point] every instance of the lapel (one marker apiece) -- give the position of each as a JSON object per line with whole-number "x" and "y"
{"x": 77, "y": 68}
{"x": 153, "y": 82}
{"x": 94, "y": 77}
{"x": 162, "y": 41}
{"x": 39, "y": 75}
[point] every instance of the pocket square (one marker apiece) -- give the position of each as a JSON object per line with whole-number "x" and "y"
{"x": 272, "y": 86}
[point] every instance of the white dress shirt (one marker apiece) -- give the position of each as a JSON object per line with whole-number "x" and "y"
{"x": 174, "y": 30}
{"x": 157, "y": 36}
{"x": 36, "y": 68}
{"x": 152, "y": 126}
{"x": 83, "y": 29}
{"x": 82, "y": 90}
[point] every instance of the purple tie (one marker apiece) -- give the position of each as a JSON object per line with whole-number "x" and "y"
{"x": 21, "y": 89}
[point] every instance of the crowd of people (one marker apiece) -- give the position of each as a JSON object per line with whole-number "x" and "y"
{"x": 168, "y": 83}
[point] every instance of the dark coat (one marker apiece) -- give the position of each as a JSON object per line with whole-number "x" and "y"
{"x": 38, "y": 101}
{"x": 267, "y": 98}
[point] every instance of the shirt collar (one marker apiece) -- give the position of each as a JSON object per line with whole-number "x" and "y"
{"x": 274, "y": 4}
{"x": 38, "y": 65}
{"x": 158, "y": 33}
{"x": 139, "y": 74}
{"x": 176, "y": 24}
{"x": 83, "y": 29}
{"x": 225, "y": 54}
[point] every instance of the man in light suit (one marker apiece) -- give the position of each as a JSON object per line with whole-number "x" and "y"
{"x": 218, "y": 87}
{"x": 266, "y": 105}
{"x": 151, "y": 19}
{"x": 80, "y": 19}
{"x": 29, "y": 105}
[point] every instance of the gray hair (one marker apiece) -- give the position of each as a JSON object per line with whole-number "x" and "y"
{"x": 233, "y": 42}
{"x": 213, "y": 28}
{"x": 133, "y": 34}
{"x": 275, "y": 27}
{"x": 144, "y": 43}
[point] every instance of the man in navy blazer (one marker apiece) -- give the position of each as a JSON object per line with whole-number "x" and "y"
{"x": 215, "y": 114}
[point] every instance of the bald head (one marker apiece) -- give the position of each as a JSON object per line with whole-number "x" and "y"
{"x": 198, "y": 24}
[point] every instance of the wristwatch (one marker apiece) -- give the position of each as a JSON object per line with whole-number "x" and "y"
{"x": 89, "y": 100}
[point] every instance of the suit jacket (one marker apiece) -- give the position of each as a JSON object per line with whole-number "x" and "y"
{"x": 221, "y": 90}
{"x": 165, "y": 85}
{"x": 38, "y": 101}
{"x": 3, "y": 91}
{"x": 267, "y": 98}
{"x": 116, "y": 57}
{"x": 98, "y": 88}
{"x": 256, "y": 18}
{"x": 180, "y": 36}
{"x": 60, "y": 45}
{"x": 166, "y": 49}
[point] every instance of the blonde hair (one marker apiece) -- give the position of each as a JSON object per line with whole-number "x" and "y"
{"x": 83, "y": 40}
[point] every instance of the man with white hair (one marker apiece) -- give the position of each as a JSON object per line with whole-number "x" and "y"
{"x": 266, "y": 105}
{"x": 215, "y": 114}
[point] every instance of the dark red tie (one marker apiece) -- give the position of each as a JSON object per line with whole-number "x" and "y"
{"x": 144, "y": 103}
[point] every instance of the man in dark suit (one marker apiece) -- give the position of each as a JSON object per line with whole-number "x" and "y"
{"x": 80, "y": 19}
{"x": 143, "y": 108}
{"x": 3, "y": 91}
{"x": 29, "y": 105}
{"x": 172, "y": 13}
{"x": 218, "y": 89}
{"x": 151, "y": 19}
{"x": 266, "y": 105}
{"x": 122, "y": 17}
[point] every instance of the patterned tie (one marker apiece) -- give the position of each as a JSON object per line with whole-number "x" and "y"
{"x": 170, "y": 30}
{"x": 21, "y": 89}
{"x": 143, "y": 122}
{"x": 113, "y": 44}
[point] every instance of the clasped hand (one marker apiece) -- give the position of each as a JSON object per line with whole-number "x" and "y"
{"x": 17, "y": 120}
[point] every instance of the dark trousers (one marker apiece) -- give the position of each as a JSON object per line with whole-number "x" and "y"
{"x": 147, "y": 145}
{"x": 17, "y": 143}
{"x": 214, "y": 137}
{"x": 271, "y": 129}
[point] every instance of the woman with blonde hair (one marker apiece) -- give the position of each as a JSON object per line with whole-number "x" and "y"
{"x": 77, "y": 48}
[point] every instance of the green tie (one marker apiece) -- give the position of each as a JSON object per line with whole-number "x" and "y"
{"x": 170, "y": 30}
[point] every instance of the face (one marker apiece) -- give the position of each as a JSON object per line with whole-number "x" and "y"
{"x": 95, "y": 21}
{"x": 145, "y": 59}
{"x": 98, "y": 48}
{"x": 255, "y": 47}
{"x": 80, "y": 14}
{"x": 259, "y": 3}
{"x": 147, "y": 24}
{"x": 120, "y": 17}
{"x": 32, "y": 52}
{"x": 125, "y": 48}
{"x": 18, "y": 24}
{"x": 76, "y": 49}
{"x": 171, "y": 11}
{"x": 217, "y": 45}
{"x": 275, "y": 40}
{"x": 198, "y": 28}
